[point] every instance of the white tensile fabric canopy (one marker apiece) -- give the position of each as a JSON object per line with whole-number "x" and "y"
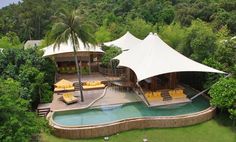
{"x": 126, "y": 42}
{"x": 154, "y": 57}
{"x": 67, "y": 47}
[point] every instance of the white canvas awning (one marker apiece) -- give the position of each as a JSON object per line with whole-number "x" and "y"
{"x": 126, "y": 42}
{"x": 68, "y": 48}
{"x": 154, "y": 57}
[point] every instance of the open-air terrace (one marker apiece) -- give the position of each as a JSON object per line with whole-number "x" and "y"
{"x": 110, "y": 95}
{"x": 95, "y": 98}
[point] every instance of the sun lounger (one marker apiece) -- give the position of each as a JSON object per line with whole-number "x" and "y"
{"x": 177, "y": 94}
{"x": 154, "y": 96}
{"x": 69, "y": 98}
{"x": 59, "y": 89}
{"x": 93, "y": 85}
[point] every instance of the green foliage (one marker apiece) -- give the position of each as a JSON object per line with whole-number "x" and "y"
{"x": 174, "y": 35}
{"x": 212, "y": 78}
{"x": 223, "y": 93}
{"x": 35, "y": 74}
{"x": 35, "y": 87}
{"x": 109, "y": 54}
{"x": 31, "y": 21}
{"x": 143, "y": 27}
{"x": 157, "y": 11}
{"x": 17, "y": 123}
{"x": 84, "y": 71}
{"x": 200, "y": 41}
{"x": 102, "y": 35}
{"x": 10, "y": 40}
{"x": 116, "y": 29}
{"x": 226, "y": 55}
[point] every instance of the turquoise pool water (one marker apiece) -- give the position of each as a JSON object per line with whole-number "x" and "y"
{"x": 108, "y": 114}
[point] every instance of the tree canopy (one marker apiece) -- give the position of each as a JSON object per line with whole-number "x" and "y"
{"x": 201, "y": 30}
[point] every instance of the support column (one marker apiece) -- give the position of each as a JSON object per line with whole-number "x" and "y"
{"x": 128, "y": 74}
{"x": 172, "y": 80}
{"x": 89, "y": 64}
{"x": 154, "y": 84}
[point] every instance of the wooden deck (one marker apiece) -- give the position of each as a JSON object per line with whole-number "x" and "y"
{"x": 169, "y": 102}
{"x": 112, "y": 96}
{"x": 89, "y": 96}
{"x": 91, "y": 77}
{"x": 115, "y": 95}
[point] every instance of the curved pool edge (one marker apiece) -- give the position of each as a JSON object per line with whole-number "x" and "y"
{"x": 130, "y": 124}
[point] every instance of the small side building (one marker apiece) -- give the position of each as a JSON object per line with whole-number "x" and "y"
{"x": 32, "y": 43}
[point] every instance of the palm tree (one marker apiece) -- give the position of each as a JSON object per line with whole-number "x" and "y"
{"x": 71, "y": 26}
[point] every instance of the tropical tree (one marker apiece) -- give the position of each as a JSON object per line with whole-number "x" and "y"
{"x": 17, "y": 123}
{"x": 72, "y": 26}
{"x": 223, "y": 93}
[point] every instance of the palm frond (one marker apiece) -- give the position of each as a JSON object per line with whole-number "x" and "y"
{"x": 72, "y": 24}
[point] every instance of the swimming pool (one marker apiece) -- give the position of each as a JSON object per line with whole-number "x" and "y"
{"x": 114, "y": 113}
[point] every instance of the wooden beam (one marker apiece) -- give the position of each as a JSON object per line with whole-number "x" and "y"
{"x": 153, "y": 84}
{"x": 89, "y": 64}
{"x": 172, "y": 80}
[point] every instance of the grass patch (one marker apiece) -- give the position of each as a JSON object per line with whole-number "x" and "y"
{"x": 210, "y": 131}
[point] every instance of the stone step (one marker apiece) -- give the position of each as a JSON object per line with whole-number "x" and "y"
{"x": 41, "y": 111}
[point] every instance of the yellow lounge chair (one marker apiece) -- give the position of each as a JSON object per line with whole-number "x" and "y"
{"x": 177, "y": 94}
{"x": 154, "y": 96}
{"x": 69, "y": 98}
{"x": 93, "y": 85}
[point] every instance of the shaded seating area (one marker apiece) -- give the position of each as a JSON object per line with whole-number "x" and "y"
{"x": 69, "y": 98}
{"x": 153, "y": 96}
{"x": 69, "y": 69}
{"x": 166, "y": 97}
{"x": 64, "y": 85}
{"x": 90, "y": 85}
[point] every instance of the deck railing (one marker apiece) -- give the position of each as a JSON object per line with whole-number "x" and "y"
{"x": 111, "y": 72}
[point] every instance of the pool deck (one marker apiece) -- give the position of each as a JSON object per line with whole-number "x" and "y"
{"x": 93, "y": 98}
{"x": 111, "y": 96}
{"x": 169, "y": 102}
{"x": 117, "y": 96}
{"x": 89, "y": 96}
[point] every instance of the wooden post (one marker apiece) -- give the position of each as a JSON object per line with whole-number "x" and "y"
{"x": 89, "y": 64}
{"x": 153, "y": 84}
{"x": 172, "y": 80}
{"x": 128, "y": 74}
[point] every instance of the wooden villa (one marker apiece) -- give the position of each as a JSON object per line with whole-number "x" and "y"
{"x": 88, "y": 57}
{"x": 151, "y": 67}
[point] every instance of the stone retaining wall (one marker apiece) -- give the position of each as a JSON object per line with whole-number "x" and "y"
{"x": 129, "y": 124}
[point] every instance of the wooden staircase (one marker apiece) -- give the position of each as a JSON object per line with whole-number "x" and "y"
{"x": 166, "y": 96}
{"x": 43, "y": 110}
